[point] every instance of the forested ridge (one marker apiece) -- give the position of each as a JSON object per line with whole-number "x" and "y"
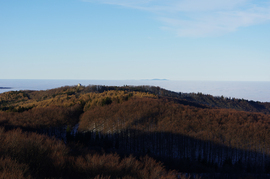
{"x": 131, "y": 132}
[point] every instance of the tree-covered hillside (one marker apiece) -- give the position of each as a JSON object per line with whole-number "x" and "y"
{"x": 131, "y": 132}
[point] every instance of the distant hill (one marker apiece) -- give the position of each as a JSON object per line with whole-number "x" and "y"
{"x": 156, "y": 79}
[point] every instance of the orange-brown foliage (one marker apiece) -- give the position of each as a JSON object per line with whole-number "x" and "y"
{"x": 224, "y": 126}
{"x": 41, "y": 117}
{"x": 29, "y": 155}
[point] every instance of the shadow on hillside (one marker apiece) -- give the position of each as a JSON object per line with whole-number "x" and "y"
{"x": 182, "y": 153}
{"x": 179, "y": 152}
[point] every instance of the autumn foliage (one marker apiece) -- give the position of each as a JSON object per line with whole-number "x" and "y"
{"x": 131, "y": 132}
{"x": 29, "y": 155}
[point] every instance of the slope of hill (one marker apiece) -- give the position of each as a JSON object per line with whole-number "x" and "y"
{"x": 14, "y": 98}
{"x": 189, "y": 133}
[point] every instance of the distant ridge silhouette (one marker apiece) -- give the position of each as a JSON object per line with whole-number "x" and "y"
{"x": 156, "y": 79}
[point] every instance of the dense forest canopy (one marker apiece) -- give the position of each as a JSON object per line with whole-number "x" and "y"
{"x": 131, "y": 132}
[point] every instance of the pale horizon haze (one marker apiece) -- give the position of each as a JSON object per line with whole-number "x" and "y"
{"x": 201, "y": 40}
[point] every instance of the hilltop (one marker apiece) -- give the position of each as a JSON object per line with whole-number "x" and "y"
{"x": 26, "y": 98}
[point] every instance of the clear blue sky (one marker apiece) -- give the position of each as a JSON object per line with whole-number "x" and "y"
{"x": 209, "y": 40}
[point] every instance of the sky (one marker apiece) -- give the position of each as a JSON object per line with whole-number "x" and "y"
{"x": 200, "y": 40}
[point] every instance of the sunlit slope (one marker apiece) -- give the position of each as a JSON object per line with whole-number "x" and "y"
{"x": 68, "y": 96}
